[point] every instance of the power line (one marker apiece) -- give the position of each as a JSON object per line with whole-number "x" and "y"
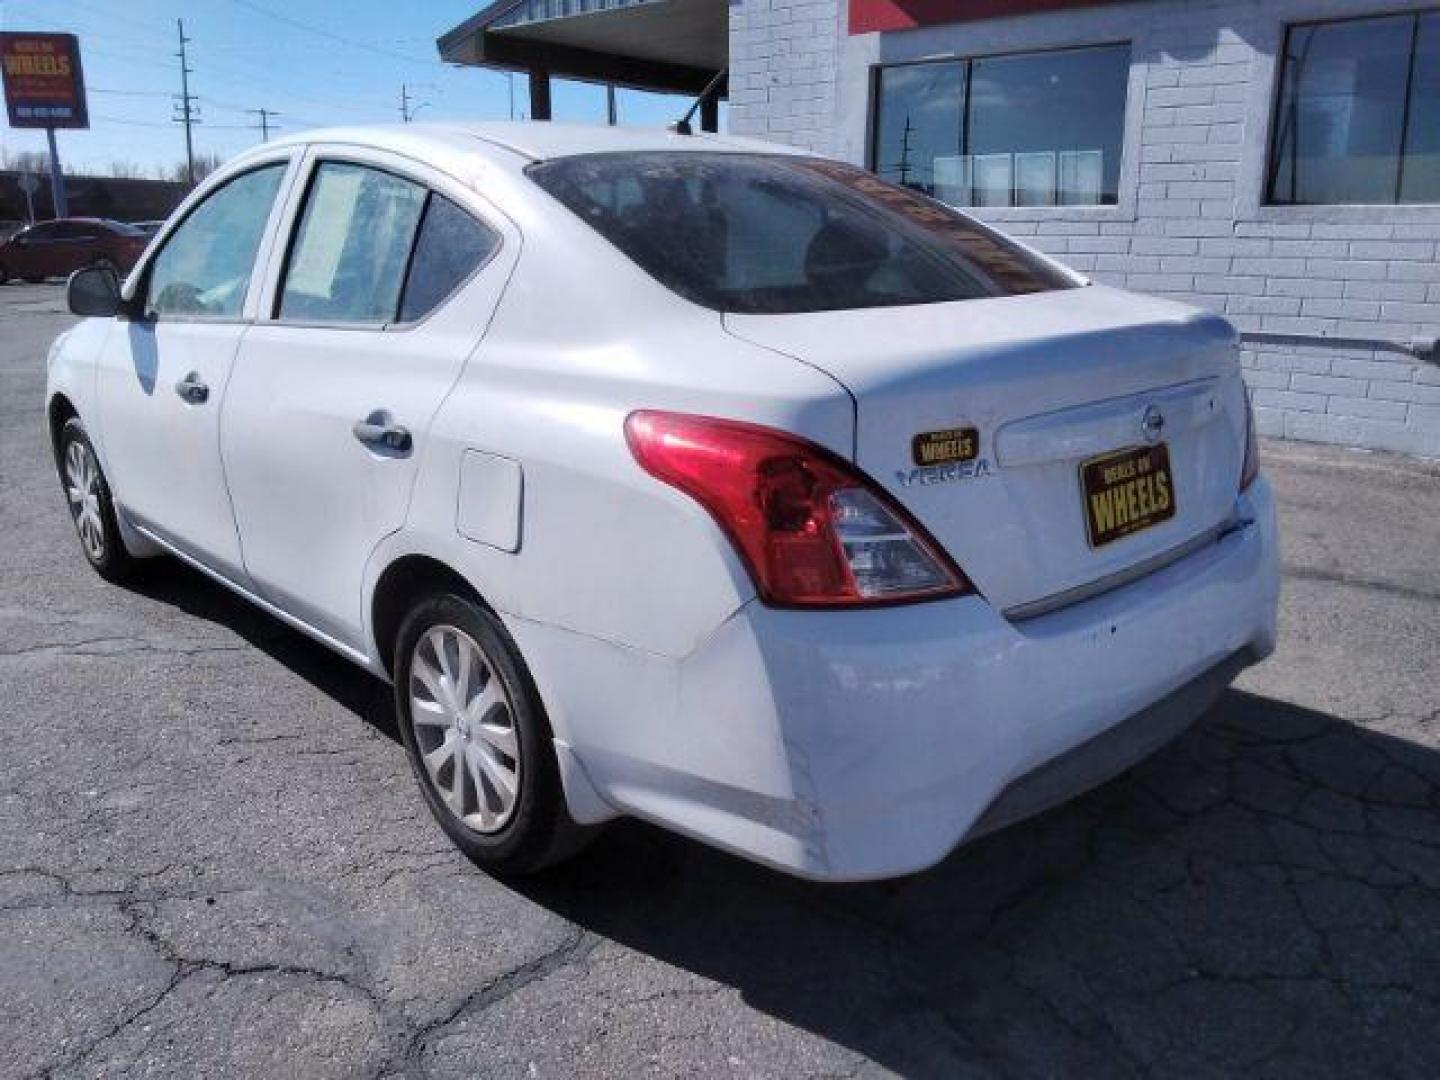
{"x": 297, "y": 24}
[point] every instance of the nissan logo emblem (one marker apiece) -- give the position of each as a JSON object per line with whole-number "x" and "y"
{"x": 1152, "y": 424}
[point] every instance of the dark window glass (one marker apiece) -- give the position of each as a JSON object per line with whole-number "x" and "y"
{"x": 1035, "y": 129}
{"x": 204, "y": 268}
{"x": 350, "y": 252}
{"x": 1420, "y": 171}
{"x": 1358, "y": 115}
{"x": 759, "y": 233}
{"x": 450, "y": 248}
{"x": 43, "y": 231}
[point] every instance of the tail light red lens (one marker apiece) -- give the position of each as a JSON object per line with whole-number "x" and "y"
{"x": 812, "y": 530}
{"x": 1251, "y": 469}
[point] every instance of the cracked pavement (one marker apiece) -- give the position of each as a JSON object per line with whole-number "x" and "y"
{"x": 213, "y": 859}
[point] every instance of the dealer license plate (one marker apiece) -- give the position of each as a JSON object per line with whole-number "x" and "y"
{"x": 1127, "y": 492}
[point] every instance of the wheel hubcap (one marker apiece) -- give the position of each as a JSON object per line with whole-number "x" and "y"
{"x": 82, "y": 485}
{"x": 464, "y": 726}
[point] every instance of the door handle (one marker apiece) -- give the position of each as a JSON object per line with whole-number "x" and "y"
{"x": 380, "y": 432}
{"x": 192, "y": 390}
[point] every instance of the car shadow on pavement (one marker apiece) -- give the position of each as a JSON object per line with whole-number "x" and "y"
{"x": 172, "y": 582}
{"x": 1262, "y": 895}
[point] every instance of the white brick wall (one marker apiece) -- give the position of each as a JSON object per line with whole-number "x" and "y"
{"x": 1191, "y": 223}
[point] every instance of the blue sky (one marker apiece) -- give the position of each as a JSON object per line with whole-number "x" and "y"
{"x": 320, "y": 62}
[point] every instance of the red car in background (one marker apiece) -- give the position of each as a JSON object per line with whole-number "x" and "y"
{"x": 57, "y": 248}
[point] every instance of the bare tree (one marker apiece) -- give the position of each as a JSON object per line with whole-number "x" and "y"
{"x": 205, "y": 164}
{"x": 126, "y": 170}
{"x": 31, "y": 161}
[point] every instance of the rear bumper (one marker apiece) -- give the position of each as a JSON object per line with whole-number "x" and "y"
{"x": 855, "y": 745}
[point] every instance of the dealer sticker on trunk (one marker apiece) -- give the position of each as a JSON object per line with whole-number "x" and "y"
{"x": 945, "y": 447}
{"x": 1126, "y": 492}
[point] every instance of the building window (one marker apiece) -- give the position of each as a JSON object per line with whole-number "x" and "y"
{"x": 1357, "y": 119}
{"x": 1035, "y": 129}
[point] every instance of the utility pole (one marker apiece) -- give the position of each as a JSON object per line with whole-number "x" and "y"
{"x": 611, "y": 115}
{"x": 408, "y": 106}
{"x": 186, "y": 105}
{"x": 266, "y": 117}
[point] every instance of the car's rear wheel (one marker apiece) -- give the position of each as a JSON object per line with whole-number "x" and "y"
{"x": 92, "y": 509}
{"x": 478, "y": 738}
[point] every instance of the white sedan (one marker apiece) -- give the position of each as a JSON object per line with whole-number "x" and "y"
{"x": 686, "y": 478}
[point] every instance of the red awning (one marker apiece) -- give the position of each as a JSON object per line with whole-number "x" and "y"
{"x": 870, "y": 15}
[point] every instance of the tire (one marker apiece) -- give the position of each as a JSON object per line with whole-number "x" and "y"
{"x": 4, "y": 274}
{"x": 92, "y": 509}
{"x": 499, "y": 733}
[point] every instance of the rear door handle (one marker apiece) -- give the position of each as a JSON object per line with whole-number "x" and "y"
{"x": 380, "y": 432}
{"x": 192, "y": 389}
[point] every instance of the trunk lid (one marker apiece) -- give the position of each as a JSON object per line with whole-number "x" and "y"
{"x": 1049, "y": 382}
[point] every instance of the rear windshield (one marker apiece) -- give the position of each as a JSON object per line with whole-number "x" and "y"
{"x": 759, "y": 233}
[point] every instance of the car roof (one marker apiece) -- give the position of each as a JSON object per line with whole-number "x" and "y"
{"x": 526, "y": 140}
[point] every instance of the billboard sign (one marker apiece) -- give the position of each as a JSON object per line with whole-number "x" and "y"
{"x": 44, "y": 86}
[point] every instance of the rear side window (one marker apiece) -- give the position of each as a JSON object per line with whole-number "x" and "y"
{"x": 757, "y": 233}
{"x": 452, "y": 245}
{"x": 350, "y": 254}
{"x": 373, "y": 248}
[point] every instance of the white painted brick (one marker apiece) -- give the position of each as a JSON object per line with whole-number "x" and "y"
{"x": 1305, "y": 287}
{"x": 1328, "y": 384}
{"x": 1414, "y": 271}
{"x": 1404, "y": 250}
{"x": 1270, "y": 422}
{"x": 1262, "y": 379}
{"x": 1281, "y": 324}
{"x": 1347, "y": 269}
{"x": 1370, "y": 408}
{"x": 1341, "y": 309}
{"x": 1263, "y": 305}
{"x": 1401, "y": 312}
{"x": 1266, "y": 361}
{"x": 1413, "y": 291}
{"x": 1165, "y": 245}
{"x": 1322, "y": 427}
{"x": 1372, "y": 369}
{"x": 1290, "y": 400}
{"x": 1416, "y": 392}
{"x": 1160, "y": 282}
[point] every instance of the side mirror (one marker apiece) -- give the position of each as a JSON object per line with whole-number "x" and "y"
{"x": 94, "y": 291}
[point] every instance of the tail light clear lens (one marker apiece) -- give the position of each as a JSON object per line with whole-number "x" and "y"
{"x": 812, "y": 530}
{"x": 1251, "y": 469}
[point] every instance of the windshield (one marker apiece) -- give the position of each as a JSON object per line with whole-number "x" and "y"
{"x": 754, "y": 233}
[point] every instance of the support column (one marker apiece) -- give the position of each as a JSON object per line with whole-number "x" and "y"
{"x": 57, "y": 177}
{"x": 539, "y": 94}
{"x": 710, "y": 113}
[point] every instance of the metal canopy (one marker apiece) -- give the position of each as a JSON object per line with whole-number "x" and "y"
{"x": 669, "y": 45}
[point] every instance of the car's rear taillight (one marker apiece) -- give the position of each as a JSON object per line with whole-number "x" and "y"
{"x": 812, "y": 530}
{"x": 1251, "y": 469}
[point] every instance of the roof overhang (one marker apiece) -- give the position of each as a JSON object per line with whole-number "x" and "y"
{"x": 672, "y": 45}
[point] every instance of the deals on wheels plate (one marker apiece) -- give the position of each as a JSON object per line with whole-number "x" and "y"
{"x": 1127, "y": 492}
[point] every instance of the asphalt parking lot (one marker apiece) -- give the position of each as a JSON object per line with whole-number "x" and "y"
{"x": 214, "y": 861}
